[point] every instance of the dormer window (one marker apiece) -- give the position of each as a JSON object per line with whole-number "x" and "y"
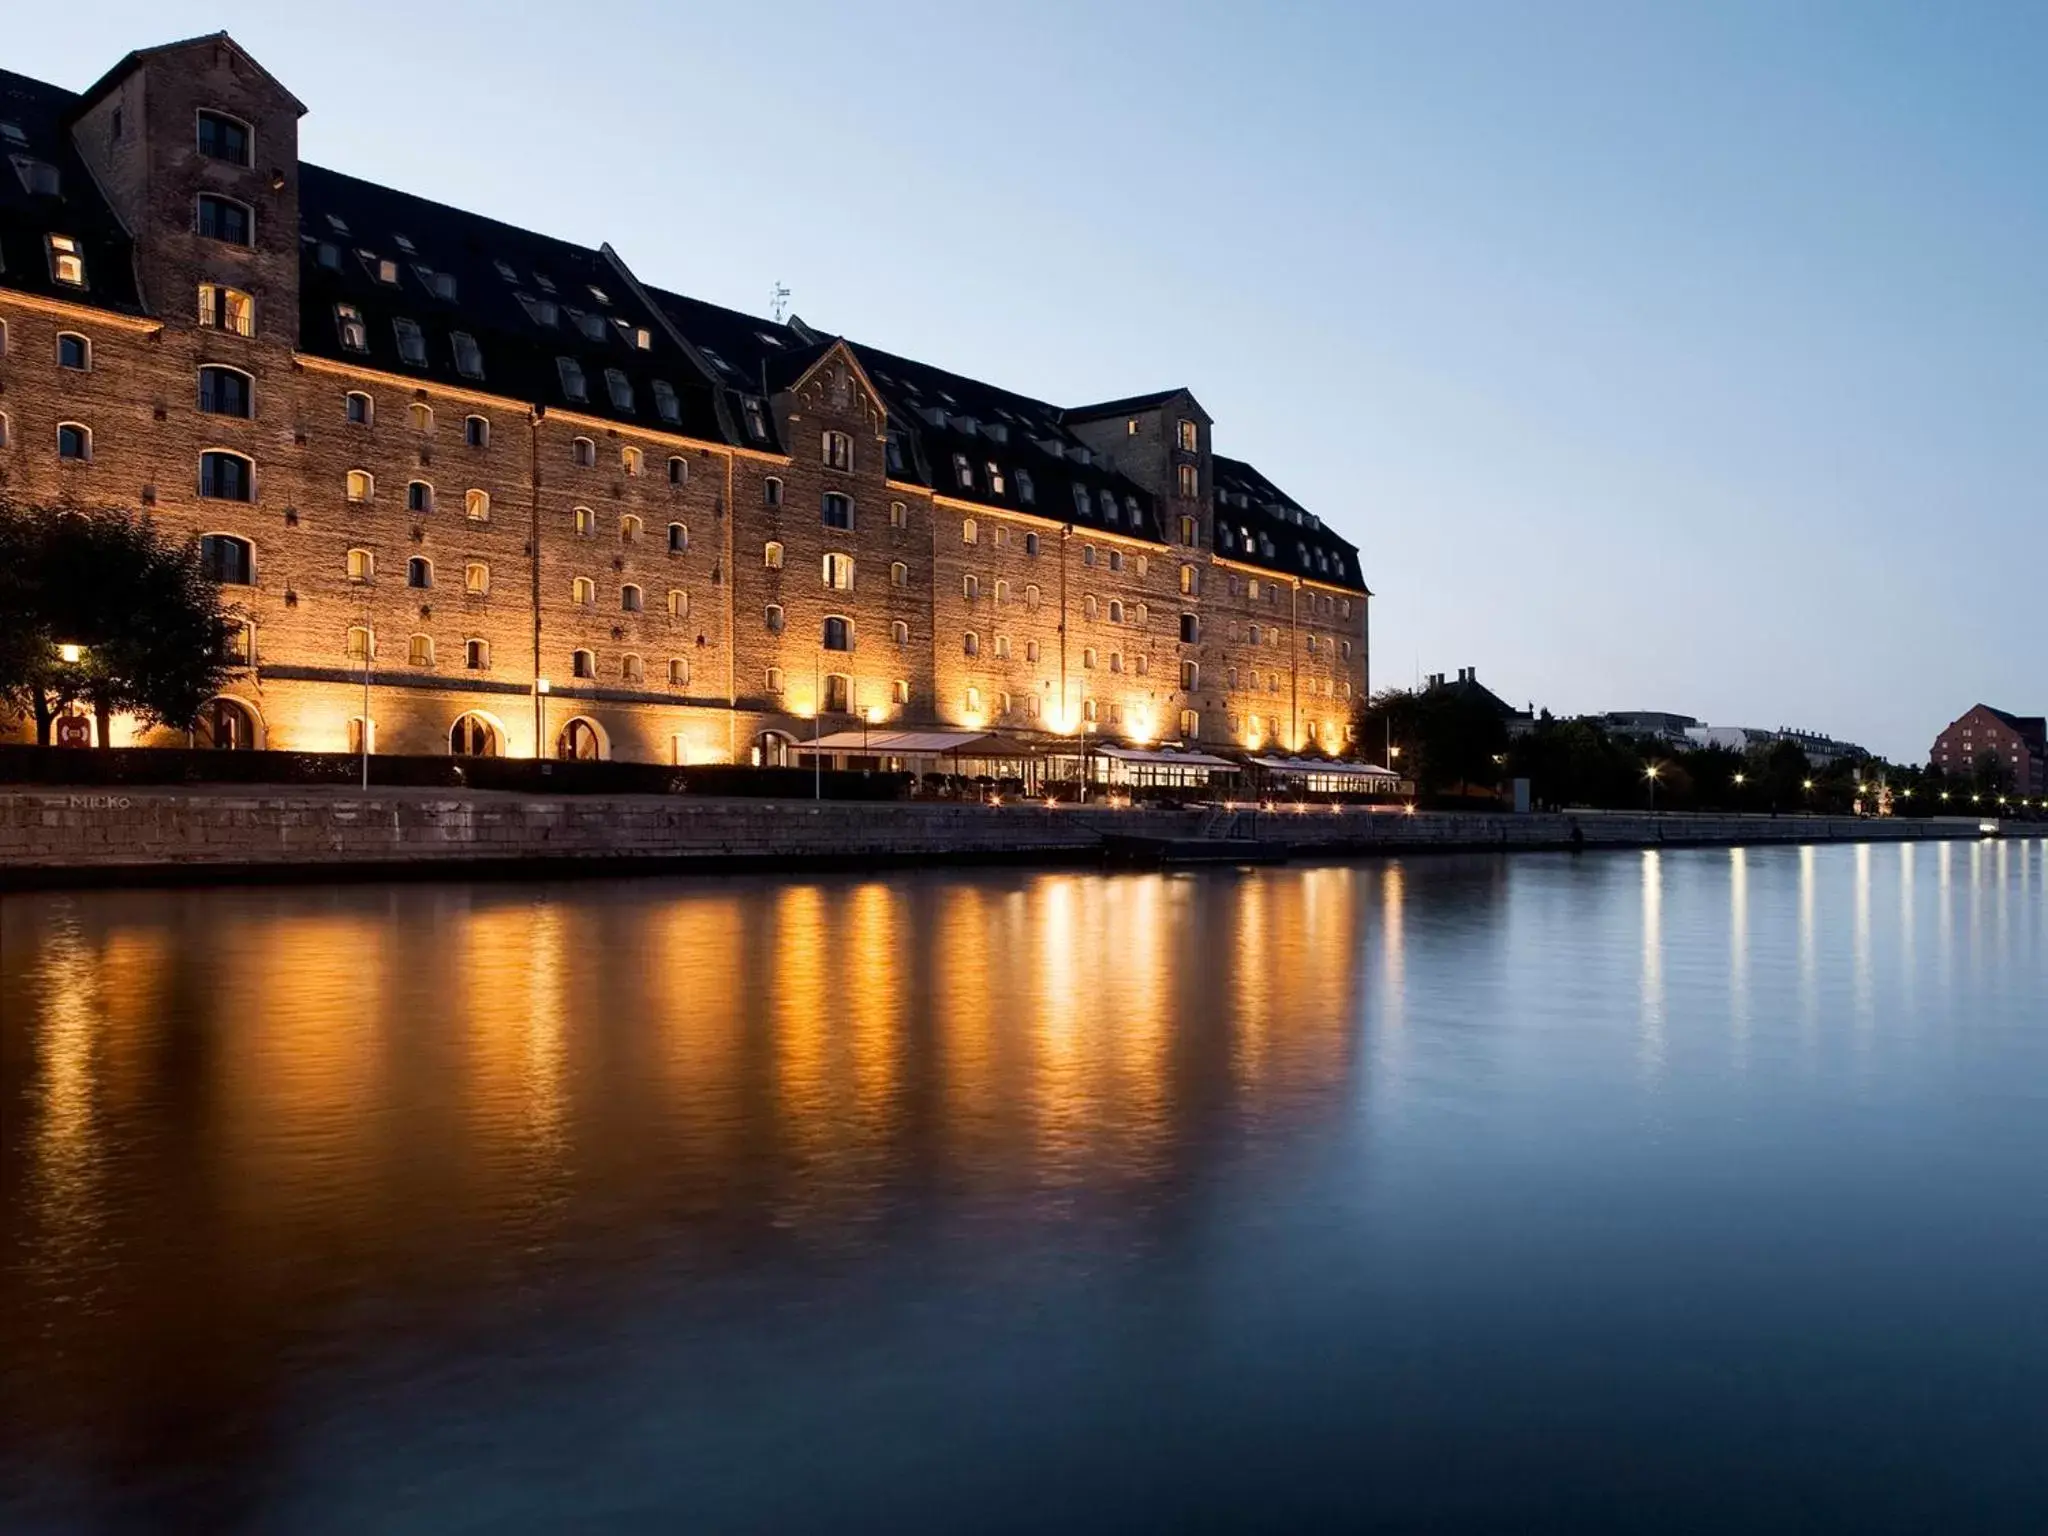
{"x": 1027, "y": 493}
{"x": 440, "y": 284}
{"x": 328, "y": 256}
{"x": 403, "y": 244}
{"x": 12, "y": 134}
{"x": 666, "y": 406}
{"x": 382, "y": 268}
{"x": 1081, "y": 500}
{"x": 573, "y": 386}
{"x": 505, "y": 269}
{"x": 895, "y": 453}
{"x": 469, "y": 357}
{"x": 963, "y": 472}
{"x": 39, "y": 178}
{"x": 412, "y": 341}
{"x": 995, "y": 478}
{"x": 348, "y": 323}
{"x": 638, "y": 337}
{"x": 598, "y": 293}
{"x": 590, "y": 325}
{"x": 540, "y": 311}
{"x": 224, "y": 138}
{"x": 224, "y": 219}
{"x": 337, "y": 223}
{"x": 757, "y": 419}
{"x": 67, "y": 261}
{"x": 1190, "y": 436}
{"x": 543, "y": 282}
{"x": 620, "y": 388}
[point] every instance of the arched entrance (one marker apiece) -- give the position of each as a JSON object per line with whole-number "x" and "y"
{"x": 226, "y": 725}
{"x": 474, "y": 736}
{"x": 580, "y": 740}
{"x": 771, "y": 749}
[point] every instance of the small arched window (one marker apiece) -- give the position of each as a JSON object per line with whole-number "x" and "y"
{"x": 970, "y": 644}
{"x": 225, "y": 391}
{"x": 420, "y": 415}
{"x": 771, "y": 555}
{"x": 678, "y": 603}
{"x": 838, "y": 633}
{"x": 476, "y": 579}
{"x": 1090, "y": 608}
{"x": 583, "y": 453}
{"x": 419, "y": 496}
{"x": 1116, "y": 611}
{"x": 476, "y": 431}
{"x": 771, "y": 492}
{"x": 899, "y": 574}
{"x": 837, "y": 510}
{"x": 583, "y": 664}
{"x": 970, "y": 587}
{"x": 362, "y": 643}
{"x": 420, "y": 650}
{"x": 362, "y": 565}
{"x": 476, "y": 505}
{"x": 678, "y": 672}
{"x": 419, "y": 572}
{"x": 899, "y": 633}
{"x": 73, "y": 351}
{"x": 226, "y": 477}
{"x": 1088, "y": 658}
{"x": 678, "y": 470}
{"x": 634, "y": 669}
{"x": 583, "y": 592}
{"x": 630, "y": 529}
{"x": 899, "y": 514}
{"x": 227, "y": 559}
{"x": 838, "y": 451}
{"x": 1002, "y": 593}
{"x": 362, "y": 485}
{"x": 586, "y": 522}
{"x": 771, "y": 618}
{"x": 970, "y": 531}
{"x": 359, "y": 409}
{"x": 629, "y": 598}
{"x": 74, "y": 441}
{"x": 476, "y": 655}
{"x": 678, "y": 539}
{"x": 631, "y": 461}
{"x": 1190, "y": 581}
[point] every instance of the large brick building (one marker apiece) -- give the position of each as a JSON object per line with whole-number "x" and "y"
{"x": 464, "y": 458}
{"x": 2017, "y": 744}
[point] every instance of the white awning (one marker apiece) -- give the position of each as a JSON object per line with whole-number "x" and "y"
{"x": 1166, "y": 758}
{"x": 1324, "y": 766}
{"x": 914, "y": 744}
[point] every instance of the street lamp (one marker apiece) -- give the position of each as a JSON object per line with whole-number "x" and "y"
{"x": 70, "y": 653}
{"x": 1651, "y": 773}
{"x": 540, "y": 716}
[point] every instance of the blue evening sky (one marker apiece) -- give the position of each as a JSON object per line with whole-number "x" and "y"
{"x": 1686, "y": 357}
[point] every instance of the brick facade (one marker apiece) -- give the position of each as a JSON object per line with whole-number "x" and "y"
{"x": 2017, "y": 743}
{"x": 945, "y": 554}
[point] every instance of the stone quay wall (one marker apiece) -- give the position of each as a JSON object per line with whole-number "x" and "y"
{"x": 55, "y": 836}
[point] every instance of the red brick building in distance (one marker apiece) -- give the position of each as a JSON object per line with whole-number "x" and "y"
{"x": 2019, "y": 743}
{"x": 466, "y": 458}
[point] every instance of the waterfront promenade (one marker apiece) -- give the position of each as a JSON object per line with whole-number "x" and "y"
{"x": 52, "y": 836}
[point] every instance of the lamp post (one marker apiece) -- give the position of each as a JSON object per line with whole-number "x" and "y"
{"x": 369, "y": 657}
{"x": 540, "y": 717}
{"x": 1740, "y": 780}
{"x": 1650, "y": 773}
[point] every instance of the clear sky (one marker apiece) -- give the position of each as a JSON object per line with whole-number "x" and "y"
{"x": 1658, "y": 356}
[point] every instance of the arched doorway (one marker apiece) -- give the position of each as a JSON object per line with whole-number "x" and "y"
{"x": 226, "y": 725}
{"x": 474, "y": 736}
{"x": 771, "y": 749}
{"x": 580, "y": 740}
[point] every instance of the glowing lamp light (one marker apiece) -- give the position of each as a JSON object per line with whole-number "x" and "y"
{"x": 70, "y": 653}
{"x": 874, "y": 714}
{"x": 540, "y": 685}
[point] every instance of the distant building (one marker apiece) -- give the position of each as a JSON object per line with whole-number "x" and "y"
{"x": 1820, "y": 750}
{"x": 1467, "y": 686}
{"x": 1728, "y": 738}
{"x": 2018, "y": 742}
{"x": 1657, "y": 723}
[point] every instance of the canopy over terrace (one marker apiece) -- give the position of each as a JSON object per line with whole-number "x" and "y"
{"x": 977, "y": 754}
{"x": 1148, "y": 767}
{"x": 1326, "y": 776}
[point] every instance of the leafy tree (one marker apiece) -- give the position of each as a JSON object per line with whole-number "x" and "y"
{"x": 1448, "y": 741}
{"x": 154, "y": 640}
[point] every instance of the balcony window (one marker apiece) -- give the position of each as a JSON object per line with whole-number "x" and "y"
{"x": 224, "y": 391}
{"x": 224, "y": 138}
{"x": 224, "y": 219}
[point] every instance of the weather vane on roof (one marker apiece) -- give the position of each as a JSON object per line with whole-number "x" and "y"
{"x": 778, "y": 302}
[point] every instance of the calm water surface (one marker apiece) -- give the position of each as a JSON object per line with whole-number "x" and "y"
{"x": 1692, "y": 1191}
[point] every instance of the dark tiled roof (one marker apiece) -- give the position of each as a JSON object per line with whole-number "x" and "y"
{"x": 2033, "y": 727}
{"x": 1258, "y": 522}
{"x": 348, "y": 226}
{"x": 1121, "y": 407}
{"x": 37, "y": 112}
{"x": 105, "y": 82}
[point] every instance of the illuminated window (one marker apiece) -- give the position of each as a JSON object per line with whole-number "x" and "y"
{"x": 1190, "y": 581}
{"x": 586, "y": 523}
{"x": 476, "y": 579}
{"x": 839, "y": 572}
{"x": 583, "y": 592}
{"x": 362, "y": 644}
{"x": 67, "y": 261}
{"x": 1190, "y": 437}
{"x": 838, "y": 449}
{"x": 362, "y": 565}
{"x": 1189, "y": 479}
{"x": 963, "y": 472}
{"x": 773, "y": 680}
{"x": 678, "y": 672}
{"x": 1190, "y": 676}
{"x": 476, "y": 505}
{"x": 420, "y": 650}
{"x": 970, "y": 532}
{"x": 771, "y": 555}
{"x": 899, "y": 691}
{"x": 362, "y": 485}
{"x": 1088, "y": 659}
{"x": 420, "y": 416}
{"x": 678, "y": 603}
{"x": 633, "y": 669}
{"x": 899, "y": 634}
{"x": 348, "y": 323}
{"x": 630, "y": 529}
{"x": 476, "y": 655}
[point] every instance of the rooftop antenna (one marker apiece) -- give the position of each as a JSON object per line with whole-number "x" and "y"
{"x": 778, "y": 302}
